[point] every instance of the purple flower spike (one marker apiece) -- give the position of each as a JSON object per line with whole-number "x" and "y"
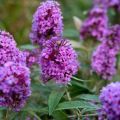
{"x": 110, "y": 99}
{"x": 104, "y": 62}
{"x": 58, "y": 61}
{"x": 47, "y": 22}
{"x": 14, "y": 86}
{"x": 104, "y": 58}
{"x": 8, "y": 50}
{"x": 95, "y": 25}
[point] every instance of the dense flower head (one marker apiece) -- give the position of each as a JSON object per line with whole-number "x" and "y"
{"x": 7, "y": 40}
{"x": 47, "y": 22}
{"x": 110, "y": 100}
{"x": 104, "y": 61}
{"x": 14, "y": 85}
{"x": 108, "y": 3}
{"x": 8, "y": 49}
{"x": 58, "y": 61}
{"x": 95, "y": 25}
{"x": 104, "y": 57}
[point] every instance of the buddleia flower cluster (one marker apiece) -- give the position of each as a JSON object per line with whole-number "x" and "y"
{"x": 95, "y": 25}
{"x": 47, "y": 22}
{"x": 14, "y": 85}
{"x": 104, "y": 57}
{"x": 14, "y": 75}
{"x": 57, "y": 59}
{"x": 110, "y": 100}
{"x": 9, "y": 50}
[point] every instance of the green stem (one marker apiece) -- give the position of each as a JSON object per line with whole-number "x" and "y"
{"x": 6, "y": 115}
{"x": 68, "y": 95}
{"x": 88, "y": 115}
{"x": 35, "y": 115}
{"x": 78, "y": 79}
{"x": 77, "y": 111}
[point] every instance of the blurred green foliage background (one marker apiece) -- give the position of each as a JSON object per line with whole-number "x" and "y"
{"x": 16, "y": 16}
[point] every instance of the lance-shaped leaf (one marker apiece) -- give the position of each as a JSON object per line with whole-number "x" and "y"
{"x": 54, "y": 99}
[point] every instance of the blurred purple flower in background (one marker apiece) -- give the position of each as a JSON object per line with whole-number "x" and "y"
{"x": 104, "y": 57}
{"x": 104, "y": 62}
{"x": 58, "y": 61}
{"x": 31, "y": 57}
{"x": 108, "y": 3}
{"x": 95, "y": 25}
{"x": 112, "y": 38}
{"x": 47, "y": 22}
{"x": 110, "y": 100}
{"x": 14, "y": 85}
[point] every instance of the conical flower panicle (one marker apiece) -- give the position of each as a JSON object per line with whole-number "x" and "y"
{"x": 104, "y": 57}
{"x": 95, "y": 25}
{"x": 110, "y": 100}
{"x": 104, "y": 62}
{"x": 9, "y": 50}
{"x": 58, "y": 61}
{"x": 47, "y": 22}
{"x": 14, "y": 85}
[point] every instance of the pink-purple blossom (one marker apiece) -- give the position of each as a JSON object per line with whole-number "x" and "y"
{"x": 104, "y": 57}
{"x": 108, "y": 3}
{"x": 104, "y": 62}
{"x": 95, "y": 25}
{"x": 9, "y": 50}
{"x": 14, "y": 85}
{"x": 58, "y": 61}
{"x": 47, "y": 22}
{"x": 110, "y": 100}
{"x": 31, "y": 57}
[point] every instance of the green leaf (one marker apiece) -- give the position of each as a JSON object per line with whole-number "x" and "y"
{"x": 59, "y": 115}
{"x": 75, "y": 105}
{"x": 35, "y": 115}
{"x": 3, "y": 108}
{"x": 54, "y": 99}
{"x": 80, "y": 85}
{"x": 13, "y": 115}
{"x": 88, "y": 97}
